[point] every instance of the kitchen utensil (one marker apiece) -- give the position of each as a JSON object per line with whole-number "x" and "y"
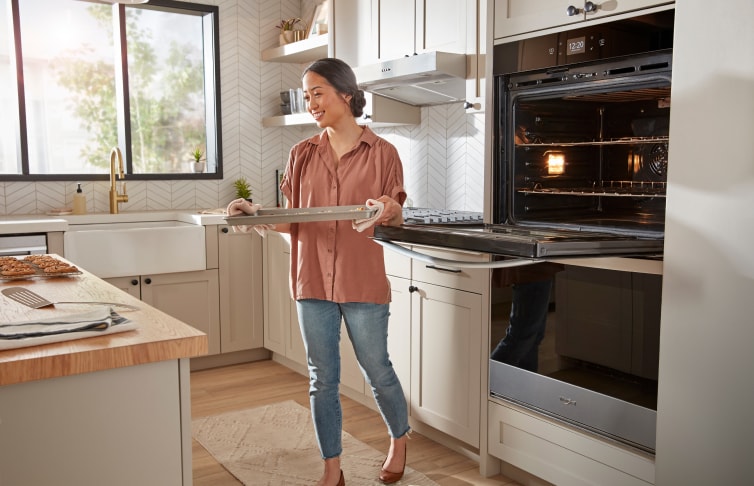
{"x": 36, "y": 301}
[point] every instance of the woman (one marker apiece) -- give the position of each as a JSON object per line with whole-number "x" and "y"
{"x": 338, "y": 272}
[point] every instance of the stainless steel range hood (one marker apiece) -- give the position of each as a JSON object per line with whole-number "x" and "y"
{"x": 431, "y": 78}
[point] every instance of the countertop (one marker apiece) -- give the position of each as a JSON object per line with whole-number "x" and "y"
{"x": 46, "y": 223}
{"x": 158, "y": 336}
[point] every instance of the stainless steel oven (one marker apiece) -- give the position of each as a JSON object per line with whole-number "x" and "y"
{"x": 581, "y": 136}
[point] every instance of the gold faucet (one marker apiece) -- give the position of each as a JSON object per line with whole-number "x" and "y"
{"x": 116, "y": 198}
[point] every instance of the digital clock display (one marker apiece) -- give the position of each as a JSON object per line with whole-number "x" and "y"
{"x": 577, "y": 45}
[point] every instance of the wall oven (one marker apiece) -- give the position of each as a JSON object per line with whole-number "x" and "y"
{"x": 580, "y": 145}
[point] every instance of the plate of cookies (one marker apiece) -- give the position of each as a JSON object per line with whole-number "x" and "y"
{"x": 35, "y": 266}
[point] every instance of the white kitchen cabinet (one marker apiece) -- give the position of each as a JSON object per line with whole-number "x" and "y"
{"x": 407, "y": 28}
{"x": 446, "y": 315}
{"x": 388, "y": 29}
{"x": 281, "y": 331}
{"x": 240, "y": 279}
{"x": 191, "y": 297}
{"x": 515, "y": 17}
{"x": 560, "y": 454}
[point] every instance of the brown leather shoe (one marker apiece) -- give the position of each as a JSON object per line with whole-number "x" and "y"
{"x": 342, "y": 481}
{"x": 388, "y": 477}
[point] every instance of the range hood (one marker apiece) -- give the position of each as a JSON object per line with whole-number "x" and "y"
{"x": 431, "y": 78}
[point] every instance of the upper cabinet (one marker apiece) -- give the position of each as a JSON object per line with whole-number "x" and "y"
{"x": 515, "y": 17}
{"x": 406, "y": 28}
{"x": 383, "y": 30}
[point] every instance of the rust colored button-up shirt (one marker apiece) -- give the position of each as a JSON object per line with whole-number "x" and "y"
{"x": 329, "y": 259}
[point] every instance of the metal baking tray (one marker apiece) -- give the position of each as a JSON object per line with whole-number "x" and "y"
{"x": 303, "y": 215}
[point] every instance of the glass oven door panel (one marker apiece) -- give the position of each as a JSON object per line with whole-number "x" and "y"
{"x": 597, "y": 356}
{"x": 578, "y": 154}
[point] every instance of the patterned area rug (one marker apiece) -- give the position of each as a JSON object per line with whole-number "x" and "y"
{"x": 274, "y": 445}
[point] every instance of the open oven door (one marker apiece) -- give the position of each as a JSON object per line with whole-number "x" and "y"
{"x": 512, "y": 246}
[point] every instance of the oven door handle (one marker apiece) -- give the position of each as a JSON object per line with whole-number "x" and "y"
{"x": 518, "y": 262}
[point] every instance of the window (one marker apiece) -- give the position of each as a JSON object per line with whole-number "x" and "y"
{"x": 83, "y": 77}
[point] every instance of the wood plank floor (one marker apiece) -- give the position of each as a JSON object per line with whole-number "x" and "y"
{"x": 236, "y": 387}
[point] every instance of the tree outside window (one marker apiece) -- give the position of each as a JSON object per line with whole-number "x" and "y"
{"x": 78, "y": 102}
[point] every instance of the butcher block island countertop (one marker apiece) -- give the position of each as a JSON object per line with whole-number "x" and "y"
{"x": 157, "y": 337}
{"x": 112, "y": 409}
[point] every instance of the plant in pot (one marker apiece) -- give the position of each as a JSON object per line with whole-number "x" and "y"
{"x": 287, "y": 28}
{"x": 198, "y": 163}
{"x": 243, "y": 190}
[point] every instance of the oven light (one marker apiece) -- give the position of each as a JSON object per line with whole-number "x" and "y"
{"x": 634, "y": 162}
{"x": 555, "y": 163}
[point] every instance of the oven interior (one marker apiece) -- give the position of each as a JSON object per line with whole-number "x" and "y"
{"x": 589, "y": 155}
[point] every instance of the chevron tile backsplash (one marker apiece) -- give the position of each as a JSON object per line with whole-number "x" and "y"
{"x": 443, "y": 157}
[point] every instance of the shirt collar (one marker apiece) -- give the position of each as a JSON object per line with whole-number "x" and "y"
{"x": 367, "y": 136}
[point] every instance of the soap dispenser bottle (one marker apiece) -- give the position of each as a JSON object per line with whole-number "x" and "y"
{"x": 79, "y": 201}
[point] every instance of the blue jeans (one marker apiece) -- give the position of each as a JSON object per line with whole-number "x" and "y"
{"x": 526, "y": 327}
{"x": 367, "y": 327}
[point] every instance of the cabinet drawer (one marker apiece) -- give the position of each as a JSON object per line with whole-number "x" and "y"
{"x": 562, "y": 455}
{"x": 469, "y": 279}
{"x": 397, "y": 265}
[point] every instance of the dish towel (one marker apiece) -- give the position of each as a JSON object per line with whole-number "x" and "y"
{"x": 97, "y": 322}
{"x": 362, "y": 224}
{"x": 241, "y": 206}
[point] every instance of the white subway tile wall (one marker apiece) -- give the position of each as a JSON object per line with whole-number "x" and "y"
{"x": 443, "y": 158}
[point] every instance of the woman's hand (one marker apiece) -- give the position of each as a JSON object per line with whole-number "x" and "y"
{"x": 392, "y": 215}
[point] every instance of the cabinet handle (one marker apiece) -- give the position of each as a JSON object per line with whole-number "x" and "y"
{"x": 571, "y": 11}
{"x": 590, "y": 7}
{"x": 225, "y": 229}
{"x": 147, "y": 280}
{"x": 413, "y": 289}
{"x": 451, "y": 270}
{"x": 134, "y": 282}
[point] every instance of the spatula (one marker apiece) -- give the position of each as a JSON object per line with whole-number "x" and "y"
{"x": 36, "y": 301}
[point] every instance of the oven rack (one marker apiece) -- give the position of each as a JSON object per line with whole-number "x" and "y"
{"x": 605, "y": 188}
{"x": 615, "y": 141}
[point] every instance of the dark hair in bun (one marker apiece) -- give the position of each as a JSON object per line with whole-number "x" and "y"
{"x": 341, "y": 77}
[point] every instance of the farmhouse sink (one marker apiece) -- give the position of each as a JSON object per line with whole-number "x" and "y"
{"x": 130, "y": 248}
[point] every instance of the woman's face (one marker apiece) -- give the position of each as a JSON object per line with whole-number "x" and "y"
{"x": 323, "y": 101}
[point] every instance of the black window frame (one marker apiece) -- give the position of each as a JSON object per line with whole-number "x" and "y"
{"x": 211, "y": 21}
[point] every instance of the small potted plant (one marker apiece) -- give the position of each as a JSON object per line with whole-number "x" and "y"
{"x": 197, "y": 158}
{"x": 243, "y": 190}
{"x": 287, "y": 27}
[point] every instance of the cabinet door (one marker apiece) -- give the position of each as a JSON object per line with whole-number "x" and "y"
{"x": 191, "y": 297}
{"x": 513, "y": 17}
{"x": 399, "y": 332}
{"x": 446, "y": 336}
{"x": 281, "y": 332}
{"x": 397, "y": 29}
{"x": 443, "y": 25}
{"x": 277, "y": 300}
{"x": 241, "y": 314}
{"x": 407, "y": 28}
{"x": 129, "y": 285}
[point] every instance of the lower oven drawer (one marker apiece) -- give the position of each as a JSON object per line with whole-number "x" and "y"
{"x": 560, "y": 454}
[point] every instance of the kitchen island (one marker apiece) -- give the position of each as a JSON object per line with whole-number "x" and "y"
{"x": 111, "y": 409}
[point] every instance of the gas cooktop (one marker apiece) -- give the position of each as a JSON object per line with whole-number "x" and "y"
{"x": 441, "y": 216}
